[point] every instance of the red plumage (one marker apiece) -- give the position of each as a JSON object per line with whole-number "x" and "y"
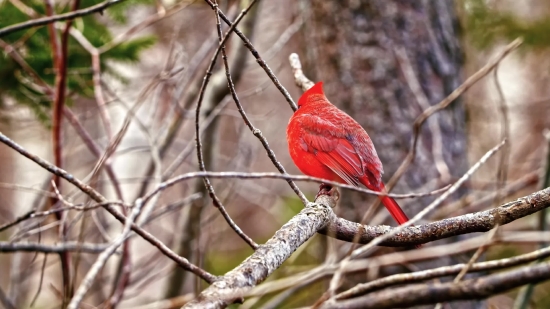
{"x": 327, "y": 143}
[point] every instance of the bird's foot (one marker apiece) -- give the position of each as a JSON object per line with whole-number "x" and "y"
{"x": 328, "y": 190}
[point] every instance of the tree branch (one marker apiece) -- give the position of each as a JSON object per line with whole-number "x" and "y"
{"x": 96, "y": 196}
{"x": 384, "y": 282}
{"x": 420, "y": 294}
{"x": 51, "y": 19}
{"x": 470, "y": 223}
{"x": 259, "y": 59}
{"x": 6, "y": 247}
{"x": 268, "y": 257}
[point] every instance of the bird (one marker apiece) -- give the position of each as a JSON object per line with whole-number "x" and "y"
{"x": 327, "y": 143}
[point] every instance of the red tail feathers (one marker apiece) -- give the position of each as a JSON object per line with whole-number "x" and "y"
{"x": 394, "y": 209}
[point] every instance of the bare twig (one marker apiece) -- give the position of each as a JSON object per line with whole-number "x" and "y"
{"x": 433, "y": 123}
{"x": 5, "y": 301}
{"x": 10, "y": 50}
{"x": 524, "y": 295}
{"x": 96, "y": 77}
{"x": 428, "y": 294}
{"x": 472, "y": 260}
{"x": 359, "y": 252}
{"x": 51, "y": 19}
{"x": 256, "y": 55}
{"x": 35, "y": 214}
{"x": 364, "y": 288}
{"x": 202, "y": 167}
{"x": 471, "y": 203}
{"x": 24, "y": 8}
{"x": 160, "y": 14}
{"x": 486, "y": 69}
{"x": 335, "y": 282}
{"x": 59, "y": 56}
{"x": 94, "y": 149}
{"x": 58, "y": 248}
{"x": 268, "y": 175}
{"x": 254, "y": 130}
{"x": 299, "y": 78}
{"x": 104, "y": 256}
{"x": 96, "y": 196}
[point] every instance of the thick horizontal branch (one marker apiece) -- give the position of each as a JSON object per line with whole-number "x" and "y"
{"x": 268, "y": 257}
{"x": 420, "y": 294}
{"x": 475, "y": 222}
{"x": 51, "y": 19}
{"x": 6, "y": 247}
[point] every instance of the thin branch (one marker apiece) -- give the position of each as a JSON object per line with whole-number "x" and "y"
{"x": 6, "y": 247}
{"x": 421, "y": 294}
{"x": 360, "y": 251}
{"x": 268, "y": 175}
{"x": 299, "y": 78}
{"x": 472, "y": 260}
{"x": 160, "y": 14}
{"x": 335, "y": 282}
{"x": 424, "y": 102}
{"x": 24, "y": 8}
{"x": 51, "y": 19}
{"x": 96, "y": 77}
{"x": 470, "y": 223}
{"x": 96, "y": 196}
{"x": 472, "y": 203}
{"x": 35, "y": 214}
{"x": 10, "y": 50}
{"x": 182, "y": 156}
{"x": 59, "y": 56}
{"x": 209, "y": 187}
{"x": 254, "y": 130}
{"x": 94, "y": 149}
{"x": 256, "y": 55}
{"x": 525, "y": 294}
{"x": 472, "y": 80}
{"x": 379, "y": 284}
{"x": 104, "y": 256}
{"x": 16, "y": 221}
{"x": 5, "y": 301}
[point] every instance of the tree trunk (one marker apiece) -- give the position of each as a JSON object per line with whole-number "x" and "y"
{"x": 365, "y": 52}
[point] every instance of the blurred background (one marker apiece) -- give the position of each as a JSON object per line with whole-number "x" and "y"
{"x": 130, "y": 77}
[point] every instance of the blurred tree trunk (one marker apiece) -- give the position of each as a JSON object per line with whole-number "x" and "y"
{"x": 362, "y": 51}
{"x": 351, "y": 46}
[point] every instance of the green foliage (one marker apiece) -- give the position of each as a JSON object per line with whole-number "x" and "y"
{"x": 33, "y": 45}
{"x": 119, "y": 12}
{"x": 485, "y": 26}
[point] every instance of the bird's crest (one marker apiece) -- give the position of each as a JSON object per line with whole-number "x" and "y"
{"x": 314, "y": 93}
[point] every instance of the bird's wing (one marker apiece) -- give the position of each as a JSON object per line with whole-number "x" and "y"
{"x": 332, "y": 147}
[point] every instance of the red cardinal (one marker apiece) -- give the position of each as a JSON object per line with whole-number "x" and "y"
{"x": 327, "y": 143}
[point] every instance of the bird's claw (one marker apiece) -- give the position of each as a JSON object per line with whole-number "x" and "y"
{"x": 328, "y": 190}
